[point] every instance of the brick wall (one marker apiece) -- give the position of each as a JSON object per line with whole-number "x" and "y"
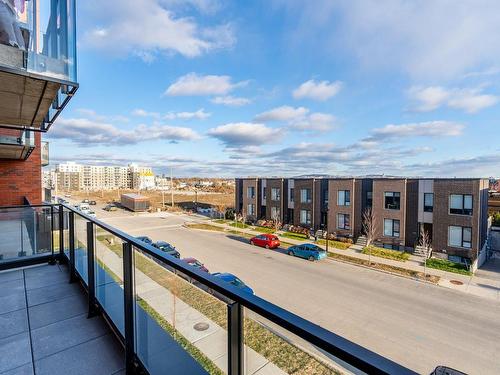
{"x": 379, "y": 188}
{"x": 21, "y": 178}
{"x": 334, "y": 186}
{"x": 256, "y": 200}
{"x": 442, "y": 219}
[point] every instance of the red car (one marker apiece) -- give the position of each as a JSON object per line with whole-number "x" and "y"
{"x": 196, "y": 263}
{"x": 269, "y": 241}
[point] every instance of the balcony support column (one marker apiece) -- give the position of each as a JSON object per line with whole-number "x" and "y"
{"x": 128, "y": 295}
{"x": 93, "y": 308}
{"x": 235, "y": 338}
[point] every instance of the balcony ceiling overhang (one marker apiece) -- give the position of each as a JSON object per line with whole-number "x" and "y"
{"x": 24, "y": 100}
{"x": 12, "y": 151}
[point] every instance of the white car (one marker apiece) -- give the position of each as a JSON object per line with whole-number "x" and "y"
{"x": 91, "y": 213}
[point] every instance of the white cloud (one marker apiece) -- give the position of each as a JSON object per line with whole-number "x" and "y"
{"x": 242, "y": 134}
{"x": 194, "y": 84}
{"x": 321, "y": 91}
{"x": 298, "y": 118}
{"x": 315, "y": 122}
{"x": 87, "y": 132}
{"x": 433, "y": 39}
{"x": 231, "y": 101}
{"x": 434, "y": 97}
{"x": 144, "y": 28}
{"x": 421, "y": 129}
{"x": 199, "y": 115}
{"x": 283, "y": 113}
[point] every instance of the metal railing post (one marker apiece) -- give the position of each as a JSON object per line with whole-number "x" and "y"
{"x": 61, "y": 234}
{"x": 52, "y": 260}
{"x": 93, "y": 309}
{"x": 72, "y": 276}
{"x": 128, "y": 295}
{"x": 235, "y": 338}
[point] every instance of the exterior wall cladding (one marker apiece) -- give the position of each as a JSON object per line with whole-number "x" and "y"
{"x": 21, "y": 178}
{"x": 326, "y": 209}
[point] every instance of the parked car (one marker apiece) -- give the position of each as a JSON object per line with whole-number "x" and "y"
{"x": 85, "y": 201}
{"x": 167, "y": 248}
{"x": 196, "y": 263}
{"x": 67, "y": 195}
{"x": 269, "y": 241}
{"x": 84, "y": 207}
{"x": 443, "y": 370}
{"x": 233, "y": 280}
{"x": 146, "y": 239}
{"x": 92, "y": 203}
{"x": 307, "y": 251}
{"x": 91, "y": 213}
{"x": 110, "y": 207}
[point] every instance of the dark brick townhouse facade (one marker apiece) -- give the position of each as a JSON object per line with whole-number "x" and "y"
{"x": 452, "y": 210}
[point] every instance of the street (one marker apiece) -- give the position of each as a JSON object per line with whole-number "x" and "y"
{"x": 418, "y": 325}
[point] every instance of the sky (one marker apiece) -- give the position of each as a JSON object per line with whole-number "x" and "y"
{"x": 286, "y": 87}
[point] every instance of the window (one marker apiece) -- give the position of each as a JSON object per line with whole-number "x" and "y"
{"x": 460, "y": 236}
{"x": 325, "y": 197}
{"x": 251, "y": 209}
{"x": 275, "y": 213}
{"x": 343, "y": 221}
{"x": 305, "y": 217}
{"x": 392, "y": 200}
{"x": 428, "y": 202}
{"x": 344, "y": 198}
{"x": 292, "y": 192}
{"x": 369, "y": 198}
{"x": 391, "y": 228}
{"x": 264, "y": 192}
{"x": 251, "y": 192}
{"x": 305, "y": 196}
{"x": 275, "y": 194}
{"x": 461, "y": 204}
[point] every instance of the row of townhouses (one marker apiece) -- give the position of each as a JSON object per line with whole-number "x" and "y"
{"x": 72, "y": 176}
{"x": 454, "y": 211}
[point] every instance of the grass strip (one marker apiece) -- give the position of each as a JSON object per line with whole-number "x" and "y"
{"x": 205, "y": 227}
{"x": 336, "y": 244}
{"x": 263, "y": 230}
{"x": 400, "y": 256}
{"x": 294, "y": 236}
{"x": 446, "y": 265}
{"x": 385, "y": 267}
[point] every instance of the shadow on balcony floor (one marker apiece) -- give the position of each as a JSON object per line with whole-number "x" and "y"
{"x": 44, "y": 327}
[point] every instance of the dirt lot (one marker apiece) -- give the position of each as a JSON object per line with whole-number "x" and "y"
{"x": 182, "y": 199}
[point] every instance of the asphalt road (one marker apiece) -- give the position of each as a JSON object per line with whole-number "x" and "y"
{"x": 418, "y": 325}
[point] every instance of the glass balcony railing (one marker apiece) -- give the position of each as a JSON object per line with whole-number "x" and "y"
{"x": 39, "y": 36}
{"x": 176, "y": 319}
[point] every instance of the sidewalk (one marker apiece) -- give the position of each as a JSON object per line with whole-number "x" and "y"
{"x": 475, "y": 285}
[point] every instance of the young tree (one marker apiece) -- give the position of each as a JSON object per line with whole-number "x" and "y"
{"x": 425, "y": 243}
{"x": 276, "y": 220}
{"x": 369, "y": 227}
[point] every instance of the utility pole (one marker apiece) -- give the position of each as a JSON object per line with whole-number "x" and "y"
{"x": 172, "y": 187}
{"x": 163, "y": 198}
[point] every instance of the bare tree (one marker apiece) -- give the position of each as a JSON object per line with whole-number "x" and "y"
{"x": 425, "y": 243}
{"x": 276, "y": 220}
{"x": 369, "y": 227}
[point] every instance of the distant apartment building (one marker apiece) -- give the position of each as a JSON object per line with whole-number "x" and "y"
{"x": 72, "y": 176}
{"x": 454, "y": 211}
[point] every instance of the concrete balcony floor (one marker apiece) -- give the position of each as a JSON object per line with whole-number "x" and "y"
{"x": 44, "y": 327}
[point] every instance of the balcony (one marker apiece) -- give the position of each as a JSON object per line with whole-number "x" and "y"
{"x": 37, "y": 62}
{"x": 17, "y": 147}
{"x": 106, "y": 303}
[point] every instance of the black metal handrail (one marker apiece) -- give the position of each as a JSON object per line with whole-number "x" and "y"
{"x": 349, "y": 352}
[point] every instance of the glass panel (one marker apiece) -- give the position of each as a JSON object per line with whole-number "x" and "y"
{"x": 387, "y": 227}
{"x": 340, "y": 197}
{"x": 24, "y": 232}
{"x": 468, "y": 202}
{"x": 81, "y": 247}
{"x": 179, "y": 324}
{"x": 270, "y": 349}
{"x": 456, "y": 201}
{"x": 66, "y": 232}
{"x": 455, "y": 236}
{"x": 109, "y": 275}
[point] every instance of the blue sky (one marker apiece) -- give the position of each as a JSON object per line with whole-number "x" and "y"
{"x": 284, "y": 87}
